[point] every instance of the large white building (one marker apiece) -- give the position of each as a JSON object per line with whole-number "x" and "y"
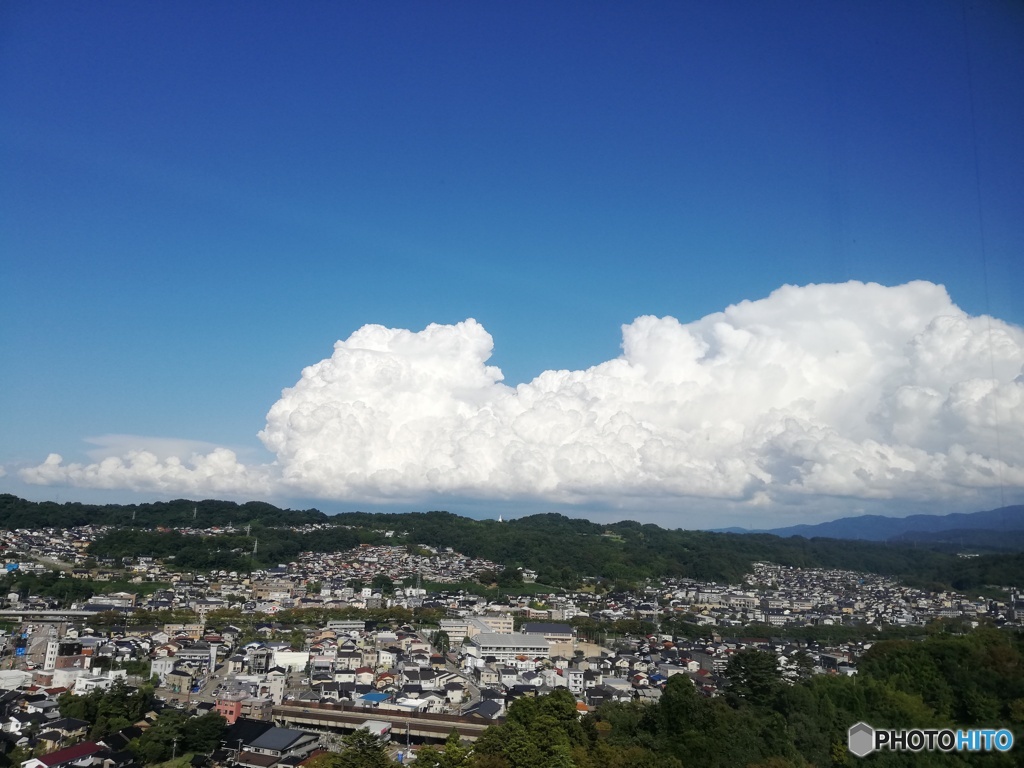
{"x": 506, "y": 647}
{"x": 470, "y": 626}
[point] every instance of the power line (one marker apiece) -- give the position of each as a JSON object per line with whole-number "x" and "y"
{"x": 984, "y": 260}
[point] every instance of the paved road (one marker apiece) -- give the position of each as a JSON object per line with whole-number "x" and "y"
{"x": 35, "y": 648}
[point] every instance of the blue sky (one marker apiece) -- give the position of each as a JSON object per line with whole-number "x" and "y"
{"x": 198, "y": 200}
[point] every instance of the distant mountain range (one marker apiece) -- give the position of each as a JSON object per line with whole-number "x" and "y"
{"x": 1001, "y": 528}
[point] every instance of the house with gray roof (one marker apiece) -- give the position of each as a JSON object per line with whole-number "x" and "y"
{"x": 275, "y": 744}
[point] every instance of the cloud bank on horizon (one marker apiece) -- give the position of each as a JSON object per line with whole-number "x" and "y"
{"x": 854, "y": 391}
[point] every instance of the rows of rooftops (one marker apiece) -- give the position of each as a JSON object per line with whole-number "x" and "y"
{"x": 372, "y": 576}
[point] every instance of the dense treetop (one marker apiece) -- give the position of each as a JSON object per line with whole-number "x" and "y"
{"x": 19, "y": 513}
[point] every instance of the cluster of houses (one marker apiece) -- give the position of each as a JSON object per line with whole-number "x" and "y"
{"x": 772, "y": 594}
{"x": 68, "y": 545}
{"x": 346, "y": 662}
{"x": 336, "y": 571}
{"x": 483, "y": 655}
{"x": 779, "y": 595}
{"x": 32, "y": 722}
{"x": 543, "y": 656}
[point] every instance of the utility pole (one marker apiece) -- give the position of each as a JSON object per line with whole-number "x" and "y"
{"x": 252, "y": 555}
{"x": 248, "y": 528}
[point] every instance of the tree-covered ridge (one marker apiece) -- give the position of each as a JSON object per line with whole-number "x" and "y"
{"x": 232, "y": 551}
{"x": 179, "y": 513}
{"x": 563, "y": 551}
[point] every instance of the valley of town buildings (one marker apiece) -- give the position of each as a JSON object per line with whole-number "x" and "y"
{"x": 499, "y": 650}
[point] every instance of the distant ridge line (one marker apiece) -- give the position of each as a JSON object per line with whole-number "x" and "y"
{"x": 883, "y": 528}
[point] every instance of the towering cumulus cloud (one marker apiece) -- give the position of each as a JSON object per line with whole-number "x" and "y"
{"x": 853, "y": 390}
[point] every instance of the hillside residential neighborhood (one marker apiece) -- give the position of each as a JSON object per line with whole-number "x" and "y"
{"x": 481, "y": 654}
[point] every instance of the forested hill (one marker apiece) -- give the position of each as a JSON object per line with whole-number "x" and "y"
{"x": 563, "y": 551}
{"x": 19, "y": 513}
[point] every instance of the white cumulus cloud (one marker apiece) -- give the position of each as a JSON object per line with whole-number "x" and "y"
{"x": 852, "y": 390}
{"x": 218, "y": 471}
